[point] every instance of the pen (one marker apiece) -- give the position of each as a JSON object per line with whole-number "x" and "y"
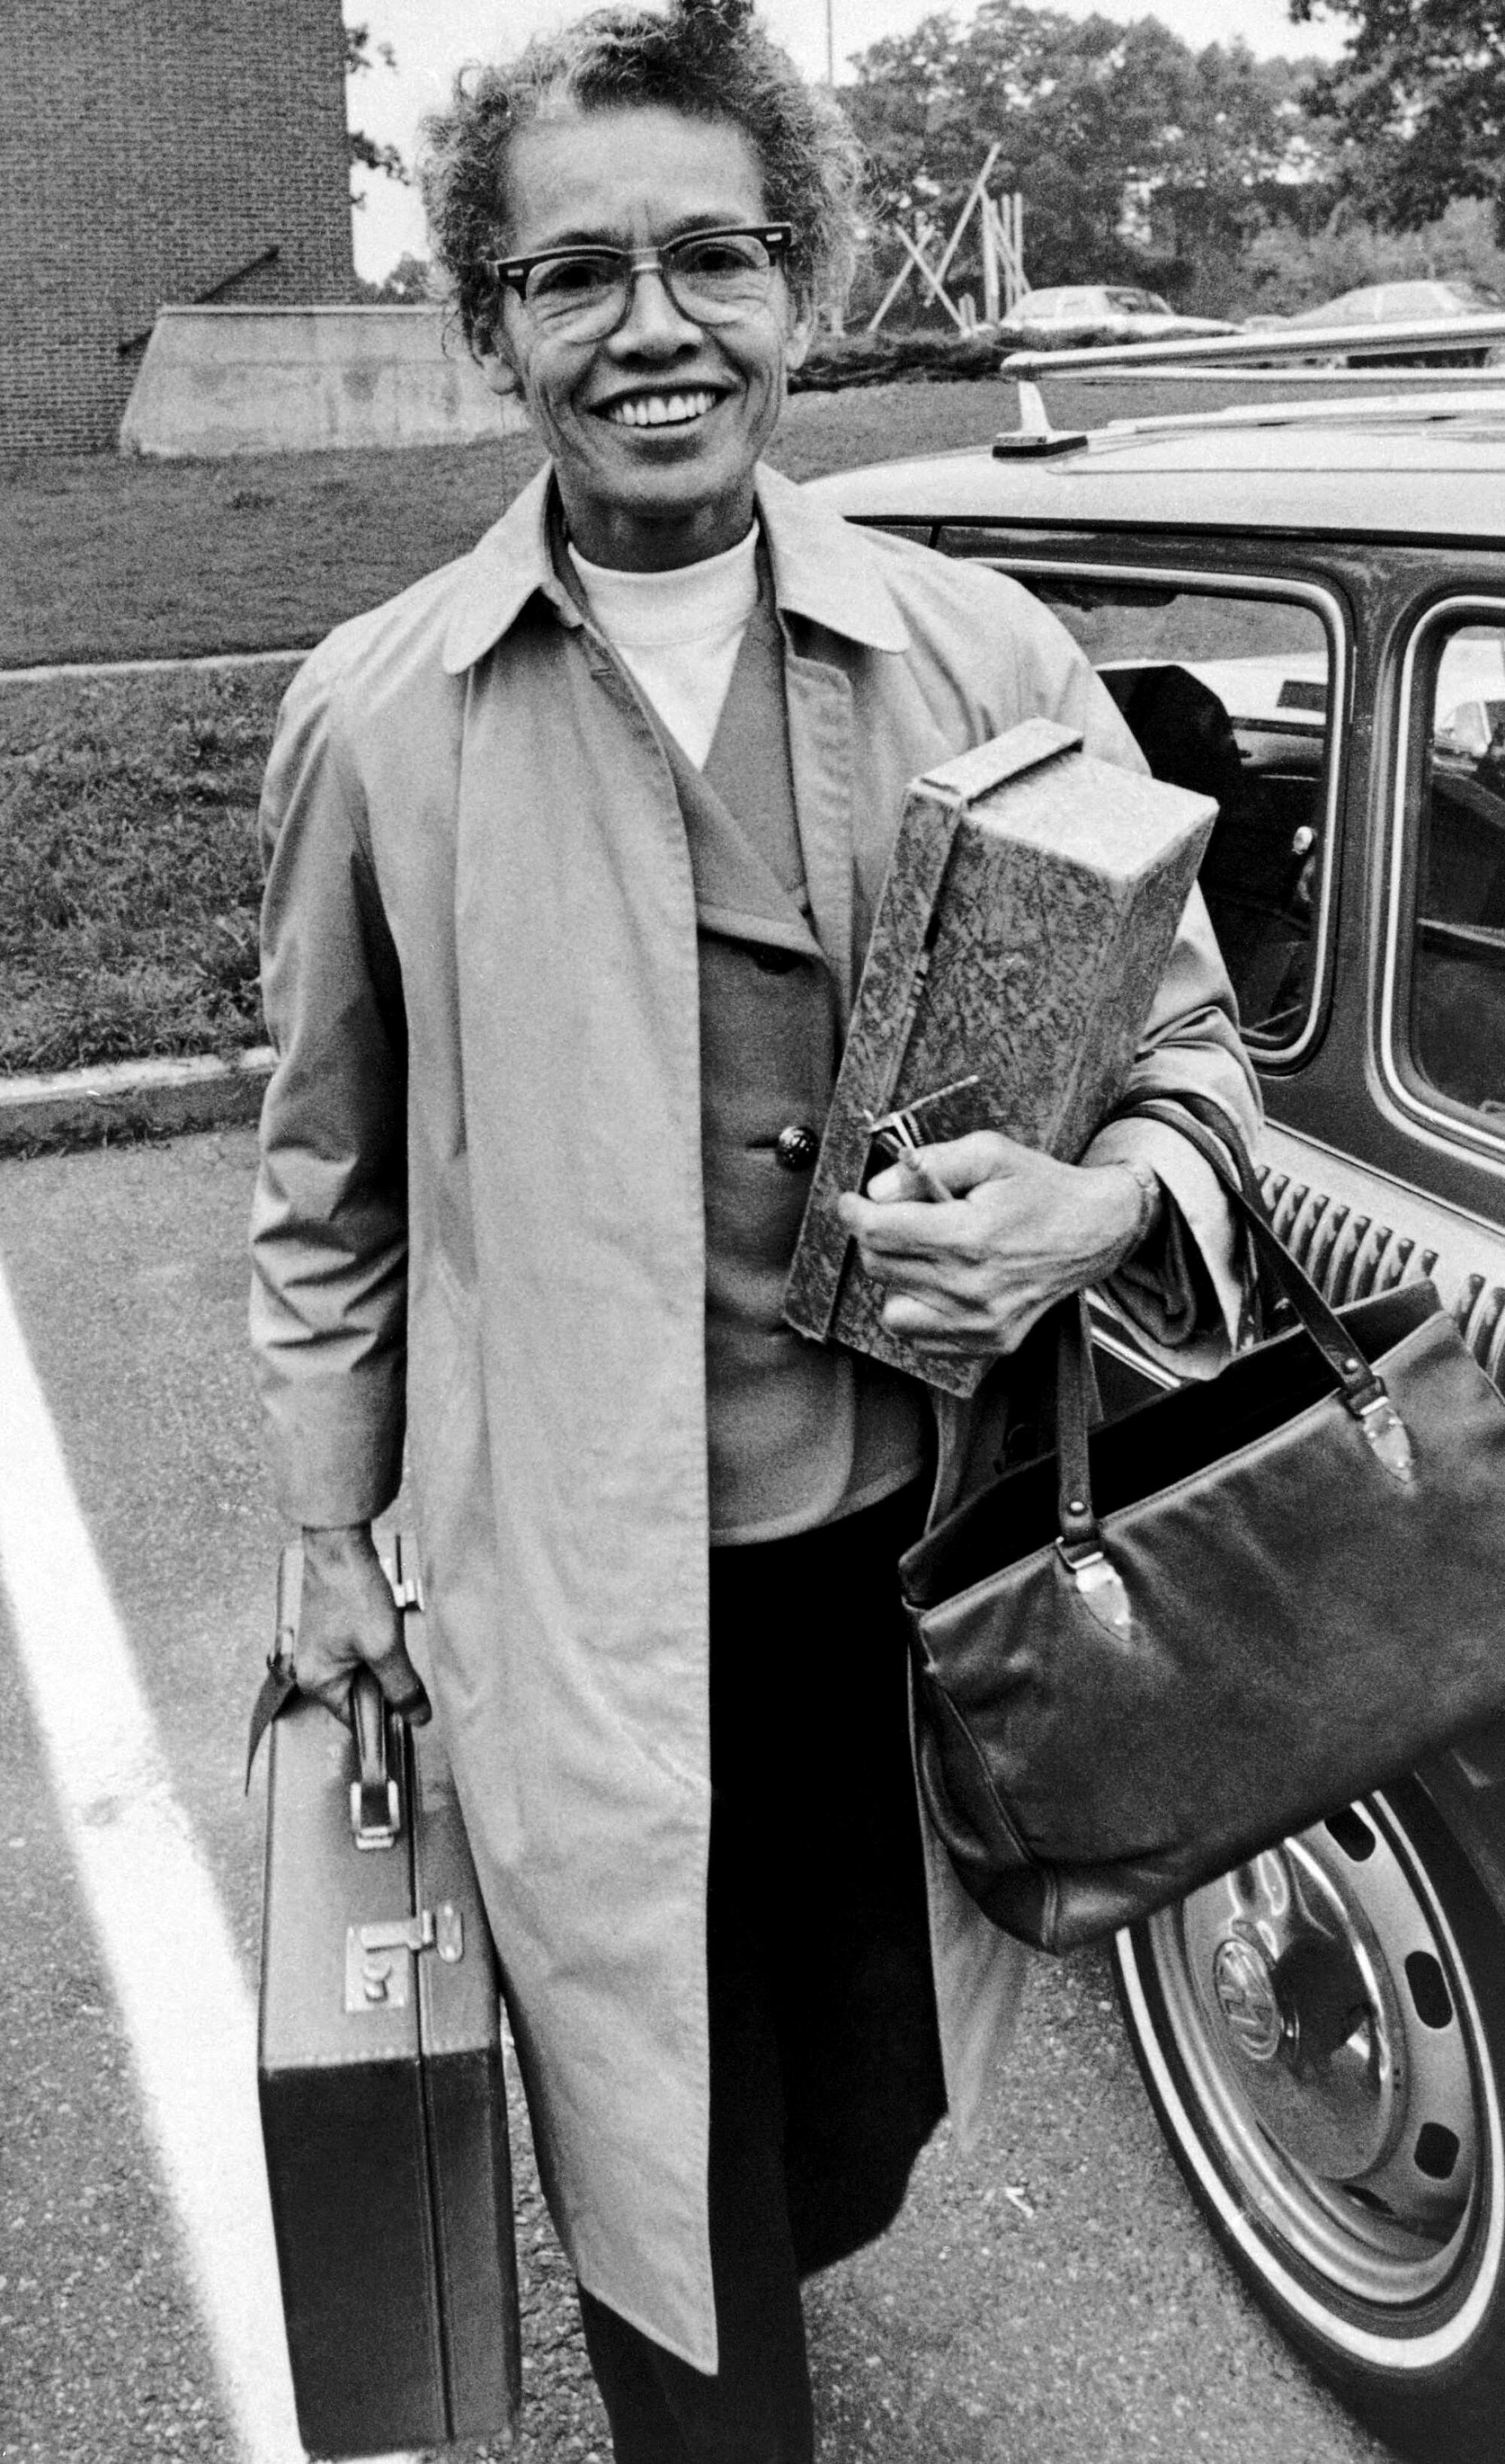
{"x": 897, "y": 1138}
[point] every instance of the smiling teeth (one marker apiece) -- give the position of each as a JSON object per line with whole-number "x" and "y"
{"x": 658, "y": 409}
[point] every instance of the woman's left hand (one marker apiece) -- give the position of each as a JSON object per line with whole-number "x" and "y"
{"x": 970, "y": 1273}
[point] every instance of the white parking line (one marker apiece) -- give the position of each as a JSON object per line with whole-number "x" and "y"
{"x": 161, "y": 1930}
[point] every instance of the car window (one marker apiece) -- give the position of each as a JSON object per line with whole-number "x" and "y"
{"x": 1454, "y": 1008}
{"x": 1229, "y": 695}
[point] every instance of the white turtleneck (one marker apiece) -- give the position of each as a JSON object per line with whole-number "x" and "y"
{"x": 678, "y": 633}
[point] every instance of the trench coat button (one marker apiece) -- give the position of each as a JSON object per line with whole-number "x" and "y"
{"x": 796, "y": 1147}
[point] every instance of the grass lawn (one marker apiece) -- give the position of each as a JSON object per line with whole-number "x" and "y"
{"x": 128, "y": 879}
{"x": 128, "y": 871}
{"x": 107, "y": 559}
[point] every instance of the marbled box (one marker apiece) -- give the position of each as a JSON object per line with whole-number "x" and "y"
{"x": 1025, "y": 923}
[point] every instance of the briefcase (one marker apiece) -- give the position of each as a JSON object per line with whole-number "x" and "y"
{"x": 382, "y": 2098}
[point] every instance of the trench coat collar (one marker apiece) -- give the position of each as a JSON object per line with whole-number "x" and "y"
{"x": 824, "y": 569}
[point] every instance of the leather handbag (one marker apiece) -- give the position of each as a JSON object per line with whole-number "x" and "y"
{"x": 1161, "y": 1647}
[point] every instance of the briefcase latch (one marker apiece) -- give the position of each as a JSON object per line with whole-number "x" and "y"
{"x": 378, "y": 1957}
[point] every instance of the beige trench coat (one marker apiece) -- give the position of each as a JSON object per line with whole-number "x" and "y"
{"x": 479, "y": 1217}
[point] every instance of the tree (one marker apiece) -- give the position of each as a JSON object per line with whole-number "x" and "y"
{"x": 409, "y": 284}
{"x": 1133, "y": 152}
{"x": 1418, "y": 100}
{"x": 366, "y": 153}
{"x": 1286, "y": 268}
{"x": 1214, "y": 136}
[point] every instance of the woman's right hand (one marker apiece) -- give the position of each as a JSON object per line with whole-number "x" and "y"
{"x": 348, "y": 1619}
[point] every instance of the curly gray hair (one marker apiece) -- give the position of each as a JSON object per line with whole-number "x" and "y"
{"x": 707, "y": 58}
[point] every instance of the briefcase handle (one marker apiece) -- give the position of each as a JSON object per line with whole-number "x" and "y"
{"x": 376, "y": 1804}
{"x": 376, "y": 1809}
{"x": 1361, "y": 1389}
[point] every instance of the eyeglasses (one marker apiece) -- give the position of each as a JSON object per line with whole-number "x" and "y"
{"x": 712, "y": 277}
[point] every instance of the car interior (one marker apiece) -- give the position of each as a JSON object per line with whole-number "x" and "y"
{"x": 1457, "y": 994}
{"x": 1254, "y": 741}
{"x": 1257, "y": 873}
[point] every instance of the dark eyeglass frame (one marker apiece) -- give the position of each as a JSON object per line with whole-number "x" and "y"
{"x": 511, "y": 272}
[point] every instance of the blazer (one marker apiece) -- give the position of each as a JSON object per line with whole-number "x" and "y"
{"x": 479, "y": 1224}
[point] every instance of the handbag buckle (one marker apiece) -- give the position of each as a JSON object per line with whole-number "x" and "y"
{"x": 1100, "y": 1585}
{"x": 1387, "y": 1433}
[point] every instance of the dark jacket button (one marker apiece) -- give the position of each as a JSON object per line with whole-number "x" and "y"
{"x": 796, "y": 1147}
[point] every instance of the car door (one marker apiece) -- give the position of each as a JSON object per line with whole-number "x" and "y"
{"x": 1322, "y": 2034}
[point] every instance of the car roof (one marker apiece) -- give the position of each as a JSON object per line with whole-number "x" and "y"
{"x": 1410, "y": 295}
{"x": 1267, "y": 468}
{"x": 1059, "y": 295}
{"x": 1056, "y": 292}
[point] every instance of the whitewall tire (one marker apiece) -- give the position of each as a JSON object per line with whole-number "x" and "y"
{"x": 1322, "y": 2036}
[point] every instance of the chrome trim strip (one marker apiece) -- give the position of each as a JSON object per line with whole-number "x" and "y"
{"x": 1107, "y": 1336}
{"x": 1328, "y": 608}
{"x": 1377, "y": 339}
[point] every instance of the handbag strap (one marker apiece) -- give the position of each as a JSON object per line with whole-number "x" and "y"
{"x": 1196, "y": 1117}
{"x": 1361, "y": 1389}
{"x": 1080, "y": 1535}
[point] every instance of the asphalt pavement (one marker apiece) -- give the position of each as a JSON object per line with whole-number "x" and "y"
{"x": 1049, "y": 2297}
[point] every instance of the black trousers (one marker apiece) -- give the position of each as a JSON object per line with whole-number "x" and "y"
{"x": 825, "y": 2065}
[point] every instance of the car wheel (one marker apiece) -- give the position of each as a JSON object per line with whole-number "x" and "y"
{"x": 1322, "y": 2035}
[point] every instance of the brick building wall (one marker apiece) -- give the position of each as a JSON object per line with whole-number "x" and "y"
{"x": 150, "y": 150}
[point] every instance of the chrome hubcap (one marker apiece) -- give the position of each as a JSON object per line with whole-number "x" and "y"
{"x": 1312, "y": 1998}
{"x": 1247, "y": 1999}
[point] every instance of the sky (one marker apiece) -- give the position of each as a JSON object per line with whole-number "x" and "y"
{"x": 432, "y": 38}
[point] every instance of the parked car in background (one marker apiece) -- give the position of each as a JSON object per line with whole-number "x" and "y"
{"x": 1300, "y": 609}
{"x": 1395, "y": 304}
{"x": 1104, "y": 312}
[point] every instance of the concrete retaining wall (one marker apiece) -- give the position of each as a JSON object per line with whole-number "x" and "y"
{"x": 156, "y": 150}
{"x": 224, "y": 380}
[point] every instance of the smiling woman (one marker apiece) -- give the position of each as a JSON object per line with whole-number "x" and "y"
{"x": 655, "y": 412}
{"x": 630, "y": 251}
{"x": 573, "y": 852}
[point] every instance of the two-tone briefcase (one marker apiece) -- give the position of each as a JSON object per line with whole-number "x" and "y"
{"x": 382, "y": 2098}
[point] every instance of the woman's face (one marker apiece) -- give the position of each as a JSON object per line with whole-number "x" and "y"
{"x": 641, "y": 496}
